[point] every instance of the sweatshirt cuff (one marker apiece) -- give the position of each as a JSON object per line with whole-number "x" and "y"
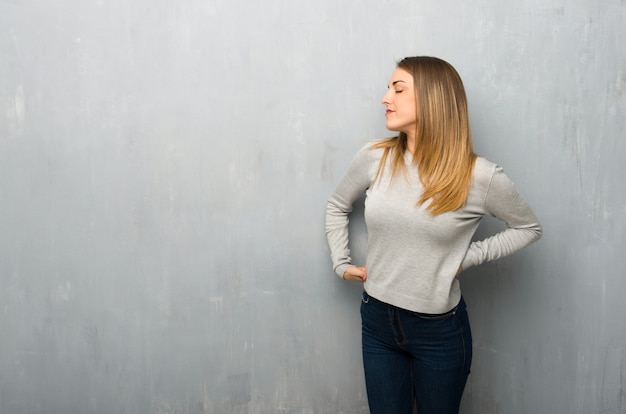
{"x": 468, "y": 261}
{"x": 341, "y": 269}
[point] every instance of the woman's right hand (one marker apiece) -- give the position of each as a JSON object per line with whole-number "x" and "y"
{"x": 356, "y": 274}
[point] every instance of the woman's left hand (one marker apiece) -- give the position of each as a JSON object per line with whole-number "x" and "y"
{"x": 357, "y": 274}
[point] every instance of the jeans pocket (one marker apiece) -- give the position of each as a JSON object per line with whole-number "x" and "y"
{"x": 440, "y": 317}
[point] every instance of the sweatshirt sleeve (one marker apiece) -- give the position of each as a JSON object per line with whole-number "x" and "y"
{"x": 523, "y": 228}
{"x": 353, "y": 184}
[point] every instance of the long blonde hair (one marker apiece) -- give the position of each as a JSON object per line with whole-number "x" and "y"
{"x": 443, "y": 150}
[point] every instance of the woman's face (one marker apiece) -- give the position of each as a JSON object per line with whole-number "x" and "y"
{"x": 400, "y": 102}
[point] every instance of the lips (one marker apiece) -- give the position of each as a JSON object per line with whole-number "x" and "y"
{"x": 388, "y": 111}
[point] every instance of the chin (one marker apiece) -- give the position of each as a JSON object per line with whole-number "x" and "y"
{"x": 392, "y": 128}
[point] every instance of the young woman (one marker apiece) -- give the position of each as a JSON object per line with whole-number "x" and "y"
{"x": 426, "y": 192}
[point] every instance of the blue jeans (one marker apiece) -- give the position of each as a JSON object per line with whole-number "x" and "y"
{"x": 414, "y": 359}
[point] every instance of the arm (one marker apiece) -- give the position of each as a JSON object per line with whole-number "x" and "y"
{"x": 351, "y": 187}
{"x": 523, "y": 228}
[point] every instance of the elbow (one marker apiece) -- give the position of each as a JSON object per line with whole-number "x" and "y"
{"x": 537, "y": 231}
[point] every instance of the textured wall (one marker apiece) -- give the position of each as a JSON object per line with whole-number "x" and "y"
{"x": 164, "y": 169}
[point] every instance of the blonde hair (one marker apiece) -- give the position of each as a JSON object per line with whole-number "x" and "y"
{"x": 443, "y": 150}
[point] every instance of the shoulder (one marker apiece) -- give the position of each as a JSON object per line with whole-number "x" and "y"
{"x": 365, "y": 161}
{"x": 490, "y": 178}
{"x": 371, "y": 151}
{"x": 483, "y": 175}
{"x": 484, "y": 167}
{"x": 379, "y": 145}
{"x": 484, "y": 171}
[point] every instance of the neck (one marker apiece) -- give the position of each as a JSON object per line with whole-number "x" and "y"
{"x": 410, "y": 143}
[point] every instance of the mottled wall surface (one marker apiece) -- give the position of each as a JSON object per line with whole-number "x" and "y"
{"x": 164, "y": 169}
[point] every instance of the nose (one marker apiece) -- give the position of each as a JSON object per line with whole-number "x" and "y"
{"x": 385, "y": 98}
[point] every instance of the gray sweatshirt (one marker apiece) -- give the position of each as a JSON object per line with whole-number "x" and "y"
{"x": 412, "y": 256}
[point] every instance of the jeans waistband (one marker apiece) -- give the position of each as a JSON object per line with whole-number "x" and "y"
{"x": 432, "y": 316}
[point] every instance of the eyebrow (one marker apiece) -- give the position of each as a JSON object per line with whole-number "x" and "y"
{"x": 397, "y": 82}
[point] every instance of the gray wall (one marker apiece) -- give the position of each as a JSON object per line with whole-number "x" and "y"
{"x": 164, "y": 169}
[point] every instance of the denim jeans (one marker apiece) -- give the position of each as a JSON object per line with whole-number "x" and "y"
{"x": 414, "y": 359}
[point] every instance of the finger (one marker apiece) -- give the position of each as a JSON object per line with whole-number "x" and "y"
{"x": 363, "y": 273}
{"x": 354, "y": 273}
